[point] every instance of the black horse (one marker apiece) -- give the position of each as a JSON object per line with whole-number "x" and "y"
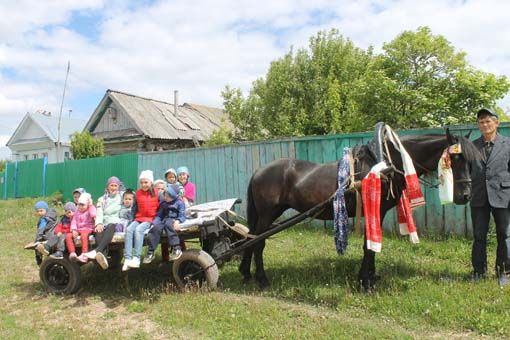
{"x": 301, "y": 185}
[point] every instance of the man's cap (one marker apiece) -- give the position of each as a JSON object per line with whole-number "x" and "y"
{"x": 485, "y": 112}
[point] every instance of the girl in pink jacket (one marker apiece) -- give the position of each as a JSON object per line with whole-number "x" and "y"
{"x": 82, "y": 225}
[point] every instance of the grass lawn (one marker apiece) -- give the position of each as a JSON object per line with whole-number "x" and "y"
{"x": 424, "y": 293}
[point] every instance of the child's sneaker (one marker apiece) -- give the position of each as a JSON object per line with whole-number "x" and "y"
{"x": 83, "y": 259}
{"x": 125, "y": 266}
{"x": 58, "y": 255}
{"x": 73, "y": 257}
{"x": 134, "y": 263}
{"x": 41, "y": 248}
{"x": 148, "y": 258}
{"x": 91, "y": 255}
{"x": 101, "y": 260}
{"x": 176, "y": 253}
{"x": 31, "y": 245}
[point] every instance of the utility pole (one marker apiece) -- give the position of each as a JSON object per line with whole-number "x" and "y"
{"x": 60, "y": 114}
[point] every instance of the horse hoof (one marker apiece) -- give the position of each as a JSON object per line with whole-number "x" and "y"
{"x": 263, "y": 284}
{"x": 246, "y": 280}
{"x": 367, "y": 286}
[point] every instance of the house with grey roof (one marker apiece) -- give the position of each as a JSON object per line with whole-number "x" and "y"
{"x": 130, "y": 123}
{"x": 37, "y": 136}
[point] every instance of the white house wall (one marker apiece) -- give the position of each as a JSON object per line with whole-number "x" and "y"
{"x": 21, "y": 152}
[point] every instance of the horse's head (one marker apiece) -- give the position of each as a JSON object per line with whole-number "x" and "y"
{"x": 462, "y": 152}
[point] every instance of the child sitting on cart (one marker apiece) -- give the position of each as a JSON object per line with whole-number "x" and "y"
{"x": 171, "y": 178}
{"x": 145, "y": 208}
{"x": 44, "y": 229}
{"x": 171, "y": 213}
{"x": 82, "y": 225}
{"x": 189, "y": 187}
{"x": 126, "y": 212}
{"x": 56, "y": 242}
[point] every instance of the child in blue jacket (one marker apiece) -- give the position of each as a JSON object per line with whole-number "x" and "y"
{"x": 171, "y": 213}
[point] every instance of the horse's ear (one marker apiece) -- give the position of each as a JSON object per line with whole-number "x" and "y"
{"x": 449, "y": 137}
{"x": 468, "y": 134}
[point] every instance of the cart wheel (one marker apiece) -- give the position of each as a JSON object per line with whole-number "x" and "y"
{"x": 60, "y": 276}
{"x": 195, "y": 265}
{"x": 115, "y": 259}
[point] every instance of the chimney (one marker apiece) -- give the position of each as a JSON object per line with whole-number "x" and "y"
{"x": 176, "y": 101}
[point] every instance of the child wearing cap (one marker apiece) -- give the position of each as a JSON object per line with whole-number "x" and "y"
{"x": 159, "y": 186}
{"x": 82, "y": 225}
{"x": 44, "y": 229}
{"x": 107, "y": 220}
{"x": 171, "y": 213}
{"x": 189, "y": 187}
{"x": 145, "y": 208}
{"x": 76, "y": 194}
{"x": 57, "y": 242}
{"x": 171, "y": 178}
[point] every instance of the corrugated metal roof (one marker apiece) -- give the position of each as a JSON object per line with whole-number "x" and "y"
{"x": 49, "y": 124}
{"x": 156, "y": 119}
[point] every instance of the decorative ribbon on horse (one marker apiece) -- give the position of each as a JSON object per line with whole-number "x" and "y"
{"x": 405, "y": 218}
{"x": 445, "y": 178}
{"x": 371, "y": 195}
{"x": 413, "y": 187}
{"x": 340, "y": 210}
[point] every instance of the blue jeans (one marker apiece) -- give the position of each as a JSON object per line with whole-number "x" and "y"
{"x": 134, "y": 231}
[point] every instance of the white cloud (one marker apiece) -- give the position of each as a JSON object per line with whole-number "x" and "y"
{"x": 200, "y": 46}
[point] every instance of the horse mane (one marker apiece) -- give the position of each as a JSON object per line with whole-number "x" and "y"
{"x": 469, "y": 151}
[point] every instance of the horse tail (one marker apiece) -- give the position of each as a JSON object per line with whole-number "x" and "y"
{"x": 251, "y": 212}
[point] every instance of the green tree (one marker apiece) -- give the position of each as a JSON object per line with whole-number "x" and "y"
{"x": 3, "y": 164}
{"x": 418, "y": 80}
{"x": 221, "y": 136}
{"x": 83, "y": 145}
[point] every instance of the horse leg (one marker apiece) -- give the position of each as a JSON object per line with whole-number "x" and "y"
{"x": 244, "y": 267}
{"x": 366, "y": 275}
{"x": 260, "y": 273}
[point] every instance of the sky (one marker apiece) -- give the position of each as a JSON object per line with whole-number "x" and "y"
{"x": 151, "y": 48}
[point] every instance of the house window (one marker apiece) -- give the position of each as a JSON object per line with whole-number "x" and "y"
{"x": 25, "y": 157}
{"x": 34, "y": 156}
{"x": 66, "y": 155}
{"x": 44, "y": 155}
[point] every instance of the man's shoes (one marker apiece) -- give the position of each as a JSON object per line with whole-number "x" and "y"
{"x": 41, "y": 248}
{"x": 148, "y": 258}
{"x": 91, "y": 255}
{"x": 477, "y": 277}
{"x": 503, "y": 279}
{"x": 101, "y": 260}
{"x": 176, "y": 253}
{"x": 58, "y": 255}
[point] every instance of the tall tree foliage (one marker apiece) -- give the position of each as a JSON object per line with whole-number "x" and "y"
{"x": 418, "y": 80}
{"x": 83, "y": 145}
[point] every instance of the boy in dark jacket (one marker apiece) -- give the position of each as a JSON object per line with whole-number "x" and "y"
{"x": 45, "y": 228}
{"x": 171, "y": 213}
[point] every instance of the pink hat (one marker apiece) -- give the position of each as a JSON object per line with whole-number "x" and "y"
{"x": 113, "y": 179}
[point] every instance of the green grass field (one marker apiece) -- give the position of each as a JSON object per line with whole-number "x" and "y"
{"x": 424, "y": 293}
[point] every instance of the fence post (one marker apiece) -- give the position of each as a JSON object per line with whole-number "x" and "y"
{"x": 5, "y": 180}
{"x": 45, "y": 162}
{"x": 15, "y": 179}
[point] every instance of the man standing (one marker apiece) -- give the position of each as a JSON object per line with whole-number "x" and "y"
{"x": 491, "y": 194}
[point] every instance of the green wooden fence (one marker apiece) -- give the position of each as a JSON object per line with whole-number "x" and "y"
{"x": 222, "y": 172}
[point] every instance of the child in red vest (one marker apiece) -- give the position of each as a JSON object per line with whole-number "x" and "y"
{"x": 145, "y": 208}
{"x": 56, "y": 242}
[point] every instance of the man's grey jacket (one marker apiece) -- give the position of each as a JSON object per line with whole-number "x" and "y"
{"x": 491, "y": 177}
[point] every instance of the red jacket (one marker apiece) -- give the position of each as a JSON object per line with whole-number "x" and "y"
{"x": 64, "y": 226}
{"x": 146, "y": 206}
